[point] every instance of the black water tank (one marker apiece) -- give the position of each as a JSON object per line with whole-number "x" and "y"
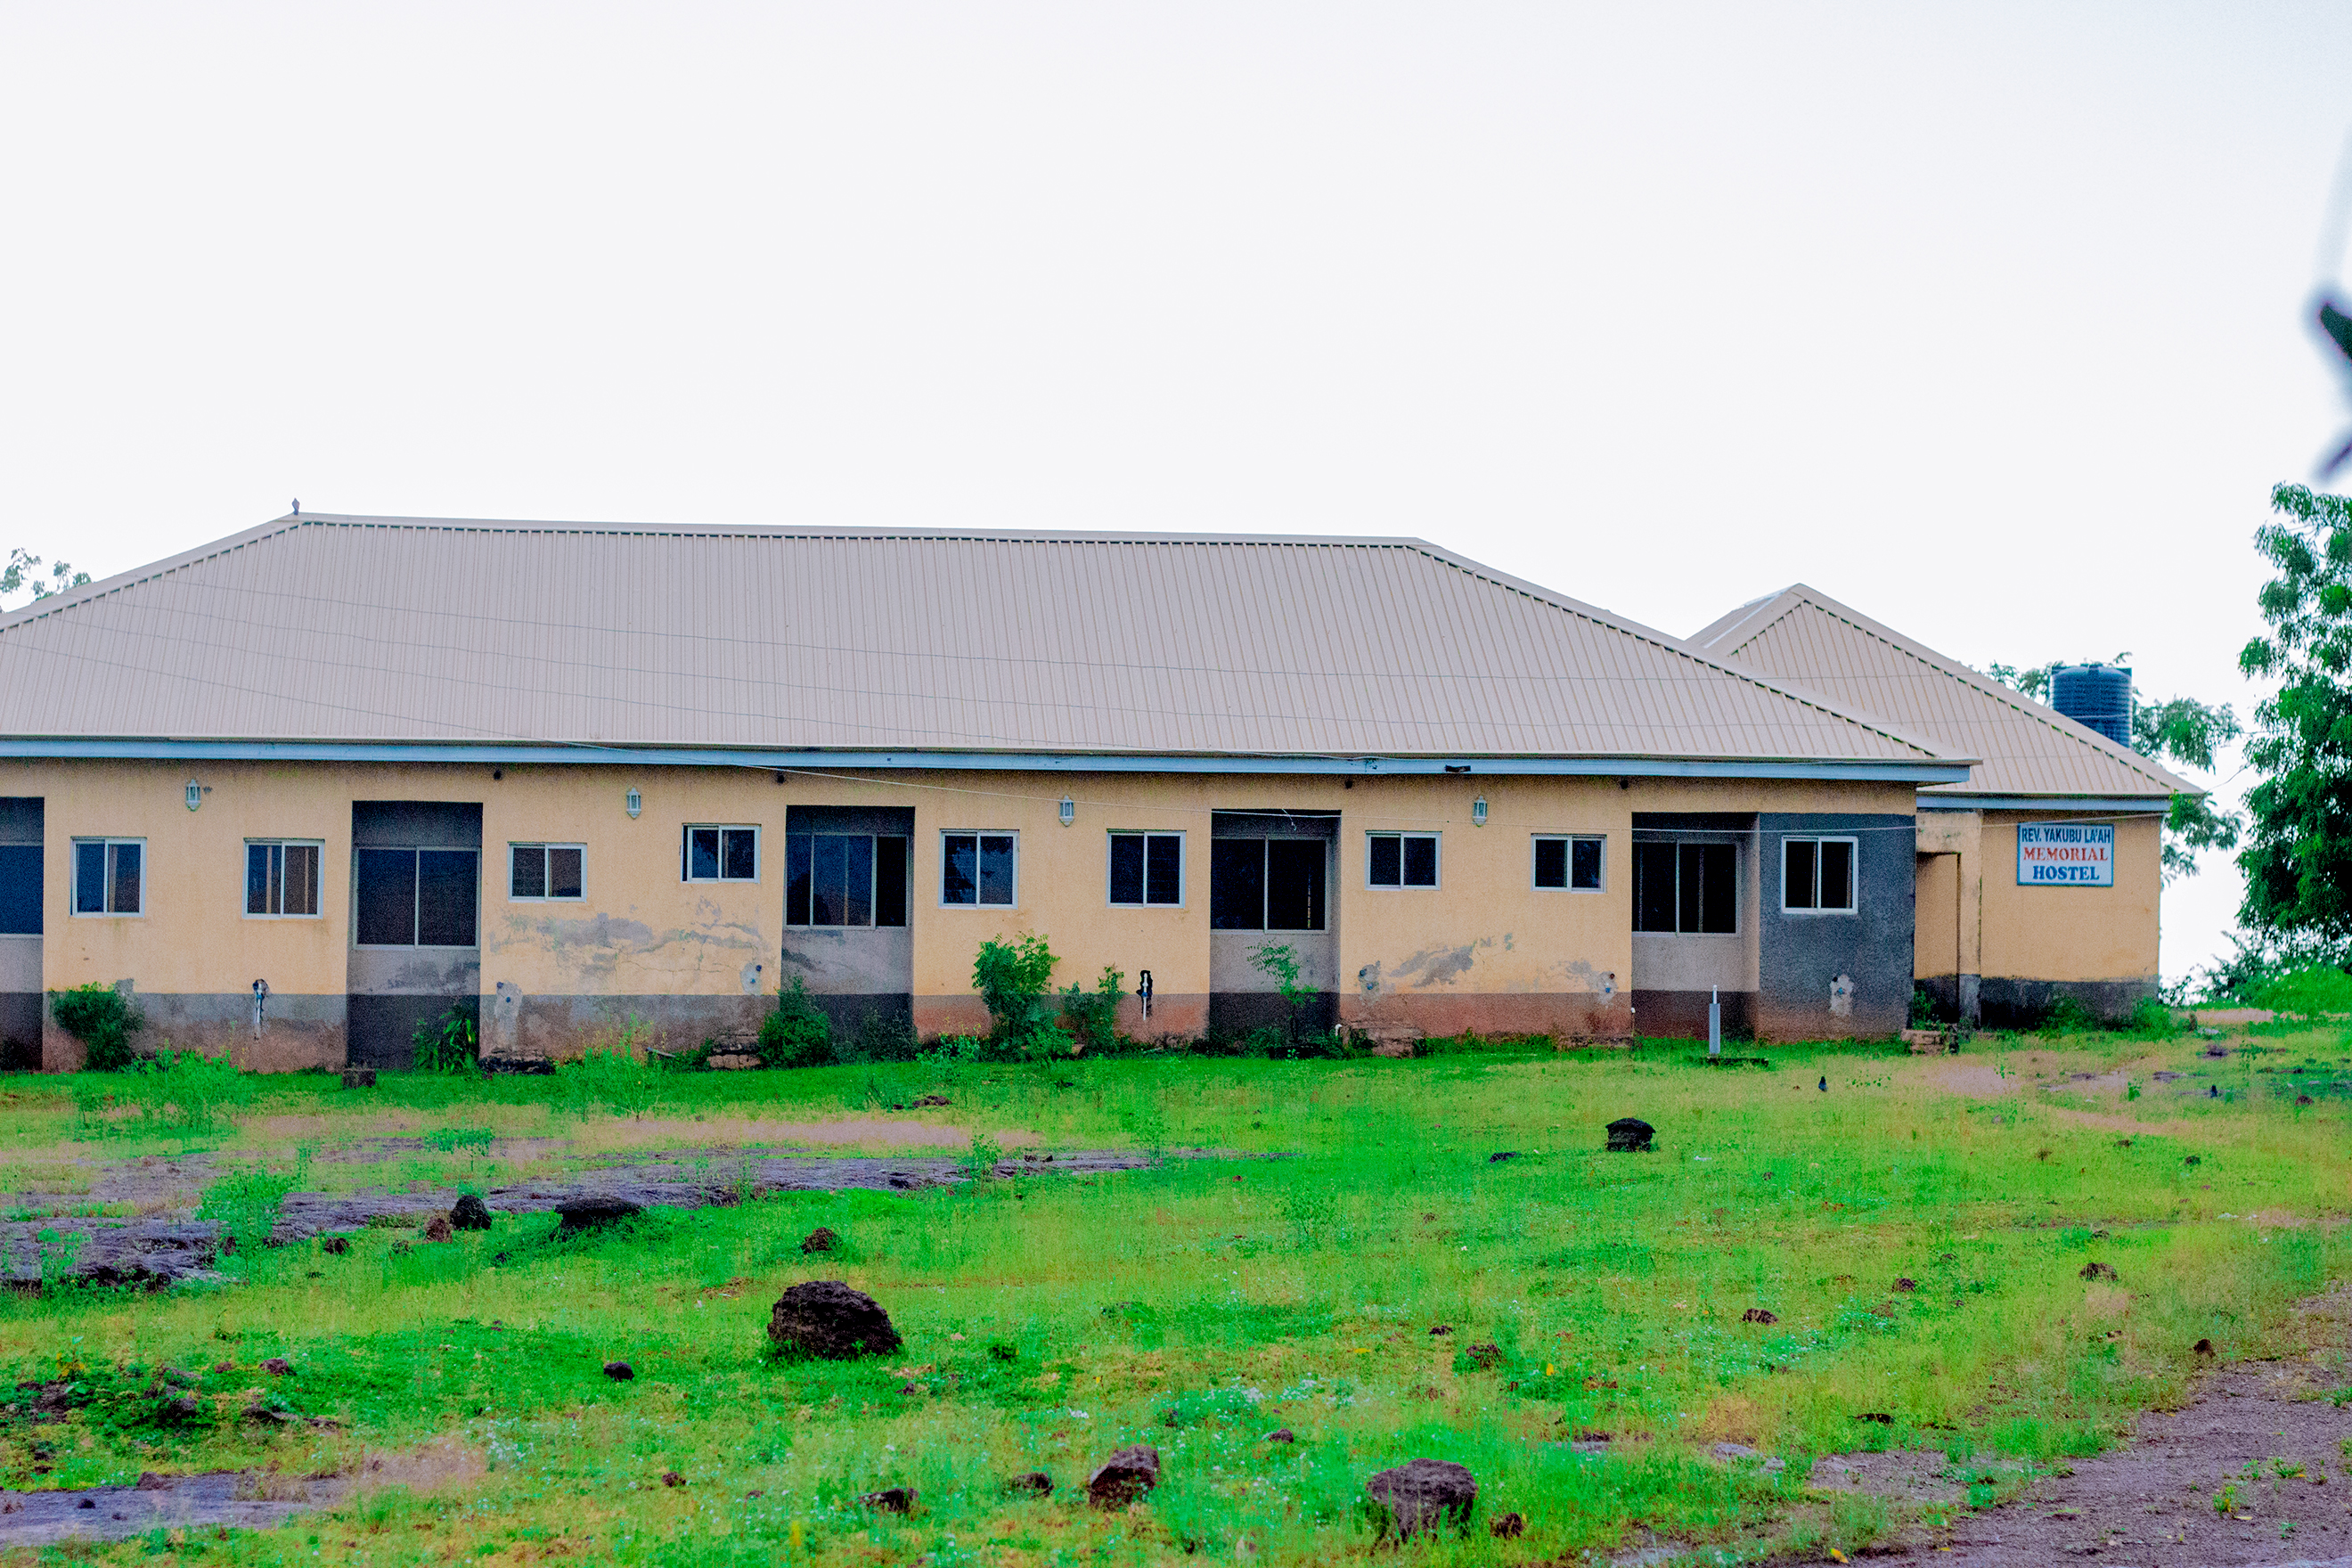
{"x": 2096, "y": 696}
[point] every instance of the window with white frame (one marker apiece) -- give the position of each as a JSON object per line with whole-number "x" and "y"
{"x": 109, "y": 876}
{"x": 1568, "y": 864}
{"x": 717, "y": 853}
{"x": 282, "y": 878}
{"x": 1401, "y": 860}
{"x": 976, "y": 870}
{"x": 545, "y": 871}
{"x": 1817, "y": 875}
{"x": 1146, "y": 869}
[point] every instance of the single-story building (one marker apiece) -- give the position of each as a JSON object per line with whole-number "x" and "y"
{"x": 2039, "y": 873}
{"x": 302, "y": 789}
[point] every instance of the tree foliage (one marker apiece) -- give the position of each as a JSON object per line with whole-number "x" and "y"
{"x": 23, "y": 572}
{"x": 2298, "y": 855}
{"x": 2179, "y": 729}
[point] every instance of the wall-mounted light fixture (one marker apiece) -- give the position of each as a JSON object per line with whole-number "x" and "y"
{"x": 634, "y": 802}
{"x": 1069, "y": 811}
{"x": 196, "y": 794}
{"x": 1478, "y": 811}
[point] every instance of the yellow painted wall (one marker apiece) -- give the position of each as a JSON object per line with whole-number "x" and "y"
{"x": 1485, "y": 932}
{"x": 2073, "y": 934}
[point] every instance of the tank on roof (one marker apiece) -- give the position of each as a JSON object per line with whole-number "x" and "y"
{"x": 2096, "y": 696}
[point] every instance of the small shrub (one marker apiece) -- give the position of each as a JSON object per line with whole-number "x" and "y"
{"x": 882, "y": 1038}
{"x": 797, "y": 1034}
{"x": 978, "y": 1161}
{"x": 451, "y": 1043}
{"x": 102, "y": 1020}
{"x": 244, "y": 1203}
{"x": 2152, "y": 1020}
{"x": 1278, "y": 961}
{"x": 2065, "y": 1016}
{"x": 2306, "y": 993}
{"x": 1094, "y": 1017}
{"x": 1011, "y": 978}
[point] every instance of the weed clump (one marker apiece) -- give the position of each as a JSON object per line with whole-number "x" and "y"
{"x": 103, "y": 1020}
{"x": 797, "y": 1034}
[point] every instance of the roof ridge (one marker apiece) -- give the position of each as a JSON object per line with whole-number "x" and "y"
{"x": 2049, "y": 718}
{"x": 1672, "y": 644}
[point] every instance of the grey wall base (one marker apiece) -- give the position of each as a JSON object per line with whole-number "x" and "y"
{"x": 1682, "y": 1015}
{"x": 1233, "y": 1014}
{"x": 1955, "y": 998}
{"x": 2005, "y": 1003}
{"x": 20, "y": 1031}
{"x": 382, "y": 1029}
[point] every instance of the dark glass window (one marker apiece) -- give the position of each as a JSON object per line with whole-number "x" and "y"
{"x": 1551, "y": 862}
{"x": 996, "y": 868}
{"x": 890, "y": 880}
{"x": 1653, "y": 887}
{"x": 1584, "y": 865}
{"x": 445, "y": 897}
{"x": 545, "y": 870}
{"x": 1692, "y": 888}
{"x": 385, "y": 884}
{"x": 959, "y": 868}
{"x": 1146, "y": 869}
{"x": 107, "y": 875}
{"x": 21, "y": 876}
{"x": 1295, "y": 872}
{"x": 1401, "y": 860}
{"x": 1818, "y": 874}
{"x": 832, "y": 879}
{"x": 721, "y": 854}
{"x": 1237, "y": 884}
{"x": 1800, "y": 891}
{"x": 417, "y": 898}
{"x": 976, "y": 868}
{"x": 282, "y": 878}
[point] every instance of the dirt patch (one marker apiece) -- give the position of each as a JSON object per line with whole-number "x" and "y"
{"x": 166, "y": 1246}
{"x": 223, "y": 1498}
{"x": 2255, "y": 1470}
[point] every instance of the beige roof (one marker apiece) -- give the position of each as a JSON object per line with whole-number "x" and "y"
{"x": 404, "y": 630}
{"x": 1804, "y": 636}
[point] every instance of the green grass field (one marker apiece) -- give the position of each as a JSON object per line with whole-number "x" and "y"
{"x": 1284, "y": 1265}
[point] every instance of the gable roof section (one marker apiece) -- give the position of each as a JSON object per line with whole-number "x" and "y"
{"x": 417, "y": 632}
{"x": 2023, "y": 747}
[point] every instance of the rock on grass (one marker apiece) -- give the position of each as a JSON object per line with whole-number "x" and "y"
{"x": 826, "y": 1319}
{"x": 584, "y": 1214}
{"x": 1126, "y": 1476}
{"x": 470, "y": 1213}
{"x": 1423, "y": 1496}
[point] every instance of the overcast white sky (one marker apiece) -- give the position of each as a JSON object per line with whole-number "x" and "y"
{"x": 1986, "y": 318}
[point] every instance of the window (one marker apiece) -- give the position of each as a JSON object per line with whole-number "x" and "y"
{"x": 1147, "y": 868}
{"x": 1691, "y": 888}
{"x": 108, "y": 875}
{"x": 545, "y": 870}
{"x": 20, "y": 889}
{"x": 414, "y": 898}
{"x": 722, "y": 853}
{"x": 282, "y": 878}
{"x": 1401, "y": 860}
{"x": 976, "y": 868}
{"x": 1817, "y": 875}
{"x": 1267, "y": 884}
{"x": 1570, "y": 864}
{"x": 845, "y": 880}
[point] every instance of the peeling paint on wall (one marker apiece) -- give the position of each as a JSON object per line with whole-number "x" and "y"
{"x": 1841, "y": 996}
{"x": 614, "y": 952}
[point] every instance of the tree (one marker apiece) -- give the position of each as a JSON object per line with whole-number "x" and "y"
{"x": 2298, "y": 855}
{"x": 23, "y": 572}
{"x": 2180, "y": 729}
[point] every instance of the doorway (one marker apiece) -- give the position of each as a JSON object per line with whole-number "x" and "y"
{"x": 1270, "y": 879}
{"x": 416, "y": 946}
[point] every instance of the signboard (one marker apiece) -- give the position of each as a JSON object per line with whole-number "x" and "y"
{"x": 2065, "y": 853}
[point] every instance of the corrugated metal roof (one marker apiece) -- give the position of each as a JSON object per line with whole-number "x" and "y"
{"x": 2023, "y": 748}
{"x": 403, "y": 630}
